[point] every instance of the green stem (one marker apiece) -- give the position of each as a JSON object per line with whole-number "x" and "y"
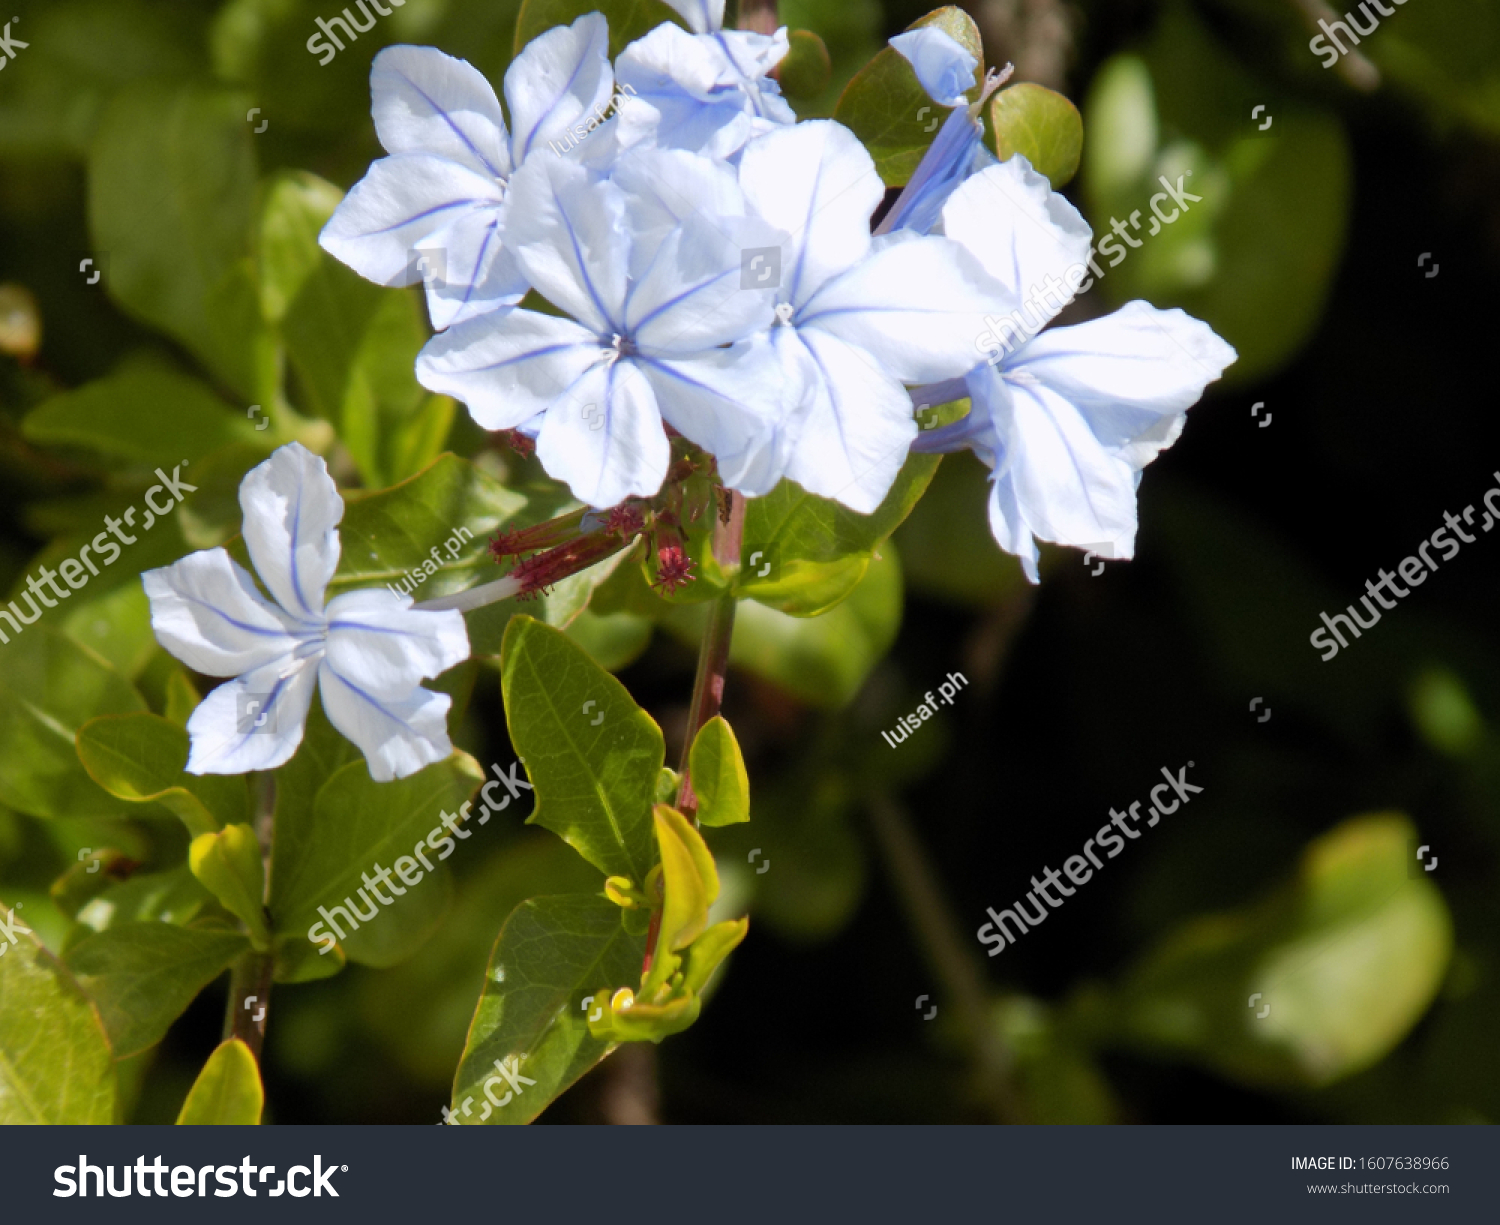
{"x": 942, "y": 942}
{"x": 249, "y": 999}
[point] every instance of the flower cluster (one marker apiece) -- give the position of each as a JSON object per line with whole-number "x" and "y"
{"x": 712, "y": 272}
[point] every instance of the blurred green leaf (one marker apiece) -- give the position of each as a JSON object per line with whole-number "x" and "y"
{"x": 229, "y": 864}
{"x": 1041, "y": 125}
{"x": 946, "y": 547}
{"x": 628, "y": 19}
{"x": 806, "y": 70}
{"x": 719, "y": 777}
{"x": 140, "y": 758}
{"x": 49, "y": 687}
{"x": 171, "y": 183}
{"x": 887, "y": 108}
{"x": 228, "y": 1091}
{"x": 551, "y": 953}
{"x": 614, "y": 640}
{"x": 144, "y": 975}
{"x": 1315, "y": 983}
{"x": 592, "y": 754}
{"x": 55, "y": 1062}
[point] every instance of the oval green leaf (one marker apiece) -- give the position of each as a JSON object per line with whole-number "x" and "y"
{"x": 228, "y": 1089}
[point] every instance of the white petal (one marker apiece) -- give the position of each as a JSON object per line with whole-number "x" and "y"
{"x": 291, "y": 511}
{"x": 253, "y": 722}
{"x": 854, "y": 425}
{"x": 816, "y": 182}
{"x": 470, "y": 271}
{"x": 703, "y": 16}
{"x": 1132, "y": 375}
{"x": 206, "y": 611}
{"x": 401, "y": 201}
{"x": 569, "y": 235}
{"x": 605, "y": 439}
{"x": 560, "y": 77}
{"x": 665, "y": 187}
{"x": 691, "y": 298}
{"x": 399, "y": 735}
{"x": 378, "y": 638}
{"x": 428, "y": 102}
{"x": 1009, "y": 527}
{"x": 730, "y": 402}
{"x": 1067, "y": 486}
{"x": 1022, "y": 232}
{"x": 507, "y": 366}
{"x": 917, "y": 304}
{"x": 943, "y": 64}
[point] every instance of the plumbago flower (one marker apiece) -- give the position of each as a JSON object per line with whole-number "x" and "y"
{"x": 443, "y": 189}
{"x": 366, "y": 650}
{"x": 708, "y": 91}
{"x": 661, "y": 330}
{"x": 1068, "y": 419}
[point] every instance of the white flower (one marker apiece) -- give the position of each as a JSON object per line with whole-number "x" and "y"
{"x": 1067, "y": 420}
{"x": 441, "y": 194}
{"x": 367, "y": 649}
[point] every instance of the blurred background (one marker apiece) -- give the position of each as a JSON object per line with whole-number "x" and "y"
{"x": 1347, "y": 250}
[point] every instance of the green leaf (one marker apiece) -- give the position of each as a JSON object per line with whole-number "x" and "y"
{"x": 690, "y": 883}
{"x": 50, "y": 686}
{"x": 142, "y": 414}
{"x": 805, "y": 71}
{"x": 140, "y": 758}
{"x": 709, "y": 950}
{"x": 628, "y": 19}
{"x": 230, "y": 866}
{"x": 228, "y": 1091}
{"x": 551, "y": 954}
{"x": 55, "y": 1062}
{"x": 171, "y": 181}
{"x": 592, "y": 754}
{"x": 887, "y": 108}
{"x": 173, "y": 897}
{"x": 1343, "y": 963}
{"x": 613, "y": 640}
{"x": 144, "y": 975}
{"x": 1041, "y": 125}
{"x": 719, "y": 777}
{"x": 803, "y": 554}
{"x": 357, "y": 827}
{"x": 946, "y": 547}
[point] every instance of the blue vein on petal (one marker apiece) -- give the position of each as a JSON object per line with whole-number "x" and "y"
{"x": 429, "y": 212}
{"x": 561, "y": 94}
{"x": 583, "y": 271}
{"x": 457, "y": 131}
{"x": 348, "y": 684}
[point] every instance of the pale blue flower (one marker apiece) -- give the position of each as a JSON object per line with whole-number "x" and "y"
{"x": 702, "y": 16}
{"x": 856, "y": 317}
{"x": 944, "y": 66}
{"x": 367, "y": 650}
{"x": 661, "y": 330}
{"x": 435, "y": 209}
{"x": 1068, "y": 419}
{"x": 707, "y": 92}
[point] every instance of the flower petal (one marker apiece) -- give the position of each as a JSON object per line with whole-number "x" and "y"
{"x": 1132, "y": 375}
{"x": 254, "y": 722}
{"x": 731, "y": 403}
{"x": 508, "y": 366}
{"x": 560, "y": 77}
{"x": 377, "y": 636}
{"x": 397, "y": 735}
{"x": 1025, "y": 235}
{"x": 291, "y": 511}
{"x": 702, "y": 16}
{"x": 664, "y": 187}
{"x": 943, "y": 64}
{"x": 401, "y": 201}
{"x": 207, "y": 612}
{"x": 816, "y": 182}
{"x": 604, "y": 438}
{"x": 569, "y": 235}
{"x": 916, "y": 304}
{"x": 472, "y": 272}
{"x": 427, "y": 102}
{"x": 854, "y": 425}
